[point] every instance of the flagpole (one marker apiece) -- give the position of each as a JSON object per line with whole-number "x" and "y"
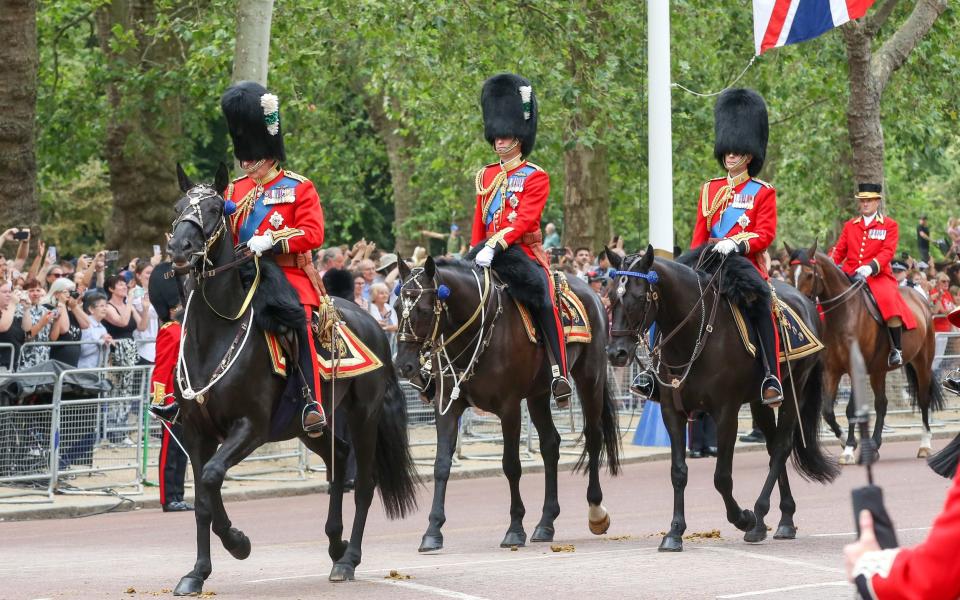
{"x": 660, "y": 137}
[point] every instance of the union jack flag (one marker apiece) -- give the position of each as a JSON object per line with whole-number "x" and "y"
{"x": 782, "y": 22}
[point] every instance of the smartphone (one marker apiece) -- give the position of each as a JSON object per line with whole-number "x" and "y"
{"x": 156, "y": 249}
{"x": 22, "y": 235}
{"x": 52, "y": 252}
{"x": 111, "y": 256}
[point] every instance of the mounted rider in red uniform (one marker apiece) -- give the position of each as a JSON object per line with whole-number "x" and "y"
{"x": 276, "y": 210}
{"x": 865, "y": 248}
{"x": 511, "y": 194}
{"x": 739, "y": 212}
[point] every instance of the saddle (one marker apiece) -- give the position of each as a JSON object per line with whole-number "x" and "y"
{"x": 872, "y": 307}
{"x": 573, "y": 314}
{"x": 798, "y": 342}
{"x": 340, "y": 351}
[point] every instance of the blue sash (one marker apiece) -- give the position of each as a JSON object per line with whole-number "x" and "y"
{"x": 497, "y": 201}
{"x": 731, "y": 214}
{"x": 261, "y": 209}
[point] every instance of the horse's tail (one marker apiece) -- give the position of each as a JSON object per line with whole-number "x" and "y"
{"x": 396, "y": 474}
{"x": 809, "y": 459}
{"x": 610, "y": 429}
{"x": 935, "y": 397}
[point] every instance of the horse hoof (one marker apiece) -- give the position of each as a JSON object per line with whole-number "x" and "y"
{"x": 431, "y": 543}
{"x": 923, "y": 452}
{"x": 543, "y": 533}
{"x": 190, "y": 585}
{"x": 847, "y": 458}
{"x": 785, "y": 532}
{"x": 337, "y": 549}
{"x": 670, "y": 544}
{"x": 514, "y": 538}
{"x": 240, "y": 548}
{"x": 600, "y": 527}
{"x": 755, "y": 535}
{"x": 341, "y": 572}
{"x": 747, "y": 521}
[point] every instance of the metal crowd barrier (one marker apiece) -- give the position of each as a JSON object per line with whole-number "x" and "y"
{"x": 103, "y": 355}
{"x": 8, "y": 351}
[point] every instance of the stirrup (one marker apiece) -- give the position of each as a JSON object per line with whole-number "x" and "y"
{"x": 770, "y": 382}
{"x": 316, "y": 427}
{"x": 561, "y": 390}
{"x": 167, "y": 412}
{"x": 952, "y": 384}
{"x": 896, "y": 358}
{"x": 643, "y": 384}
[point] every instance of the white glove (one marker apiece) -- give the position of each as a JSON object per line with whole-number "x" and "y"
{"x": 484, "y": 256}
{"x": 260, "y": 243}
{"x": 725, "y": 246}
{"x": 864, "y": 271}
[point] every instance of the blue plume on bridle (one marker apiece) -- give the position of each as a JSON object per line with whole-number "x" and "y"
{"x": 651, "y": 277}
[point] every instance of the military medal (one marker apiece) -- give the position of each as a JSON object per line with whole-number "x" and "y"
{"x": 276, "y": 219}
{"x": 743, "y": 221}
{"x": 512, "y": 216}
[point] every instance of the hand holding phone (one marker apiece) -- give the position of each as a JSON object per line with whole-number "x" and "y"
{"x": 22, "y": 235}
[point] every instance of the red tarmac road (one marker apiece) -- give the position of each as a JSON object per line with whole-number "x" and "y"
{"x": 148, "y": 551}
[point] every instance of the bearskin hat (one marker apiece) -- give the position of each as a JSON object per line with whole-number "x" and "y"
{"x": 163, "y": 290}
{"x": 740, "y": 126}
{"x": 509, "y": 110}
{"x": 339, "y": 283}
{"x": 869, "y": 191}
{"x": 253, "y": 118}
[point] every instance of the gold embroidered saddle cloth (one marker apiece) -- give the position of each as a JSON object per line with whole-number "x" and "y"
{"x": 796, "y": 337}
{"x": 573, "y": 314}
{"x": 352, "y": 356}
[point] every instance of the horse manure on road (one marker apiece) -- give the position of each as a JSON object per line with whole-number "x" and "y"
{"x": 619, "y": 538}
{"x": 703, "y": 535}
{"x": 394, "y": 574}
{"x": 563, "y": 547}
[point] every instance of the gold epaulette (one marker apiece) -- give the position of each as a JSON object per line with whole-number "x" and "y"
{"x": 239, "y": 178}
{"x": 537, "y": 167}
{"x": 719, "y": 179}
{"x": 295, "y": 176}
{"x": 763, "y": 183}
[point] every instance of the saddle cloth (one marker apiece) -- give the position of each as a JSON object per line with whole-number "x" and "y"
{"x": 798, "y": 342}
{"x": 573, "y": 314}
{"x": 353, "y": 357}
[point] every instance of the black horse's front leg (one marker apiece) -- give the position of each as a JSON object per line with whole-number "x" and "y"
{"x": 676, "y": 425}
{"x": 510, "y": 425}
{"x": 446, "y": 444}
{"x": 200, "y": 451}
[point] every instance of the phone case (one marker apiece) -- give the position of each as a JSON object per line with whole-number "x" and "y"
{"x": 870, "y": 497}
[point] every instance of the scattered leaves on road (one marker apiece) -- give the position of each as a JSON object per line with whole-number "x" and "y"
{"x": 394, "y": 574}
{"x": 620, "y": 538}
{"x": 131, "y": 590}
{"x": 563, "y": 547}
{"x": 703, "y": 535}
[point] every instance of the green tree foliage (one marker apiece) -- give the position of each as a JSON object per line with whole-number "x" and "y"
{"x": 423, "y": 63}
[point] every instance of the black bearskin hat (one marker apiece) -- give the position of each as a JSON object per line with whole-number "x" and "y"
{"x": 740, "y": 126}
{"x": 339, "y": 283}
{"x": 509, "y": 110}
{"x": 253, "y": 118}
{"x": 870, "y": 191}
{"x": 164, "y": 293}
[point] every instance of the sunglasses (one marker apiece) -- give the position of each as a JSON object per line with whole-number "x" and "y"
{"x": 56, "y": 275}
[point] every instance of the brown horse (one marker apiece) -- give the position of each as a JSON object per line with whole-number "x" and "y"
{"x": 847, "y": 317}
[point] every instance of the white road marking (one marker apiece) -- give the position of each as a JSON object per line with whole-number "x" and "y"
{"x": 786, "y": 561}
{"x": 467, "y": 563}
{"x": 787, "y": 589}
{"x": 428, "y": 589}
{"x": 854, "y": 533}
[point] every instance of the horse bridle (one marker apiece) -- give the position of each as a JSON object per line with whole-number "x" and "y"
{"x": 837, "y": 301}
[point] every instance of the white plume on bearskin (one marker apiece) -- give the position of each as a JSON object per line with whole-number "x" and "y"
{"x": 253, "y": 120}
{"x": 510, "y": 110}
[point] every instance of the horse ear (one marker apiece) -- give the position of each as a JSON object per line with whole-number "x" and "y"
{"x": 185, "y": 183}
{"x": 647, "y": 260}
{"x": 812, "y": 252}
{"x": 222, "y": 178}
{"x": 404, "y": 269}
{"x": 615, "y": 260}
{"x": 789, "y": 250}
{"x": 429, "y": 268}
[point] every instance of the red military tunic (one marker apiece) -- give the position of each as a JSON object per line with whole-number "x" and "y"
{"x": 929, "y": 571}
{"x": 162, "y": 389}
{"x": 753, "y": 204}
{"x": 874, "y": 246}
{"x": 287, "y": 205}
{"x": 526, "y": 187}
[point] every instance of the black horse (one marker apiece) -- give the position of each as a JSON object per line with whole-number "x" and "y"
{"x": 442, "y": 325}
{"x": 241, "y": 407}
{"x": 711, "y": 370}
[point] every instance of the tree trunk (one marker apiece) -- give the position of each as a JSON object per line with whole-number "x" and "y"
{"x": 141, "y": 133}
{"x": 398, "y": 148}
{"x": 18, "y": 107}
{"x": 251, "y": 54}
{"x": 863, "y": 112}
{"x": 586, "y": 220}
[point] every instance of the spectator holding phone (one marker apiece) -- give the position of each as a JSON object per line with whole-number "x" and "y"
{"x": 95, "y": 305}
{"x": 146, "y": 337}
{"x": 71, "y": 320}
{"x": 38, "y": 323}
{"x": 383, "y": 311}
{"x": 943, "y": 303}
{"x": 11, "y": 329}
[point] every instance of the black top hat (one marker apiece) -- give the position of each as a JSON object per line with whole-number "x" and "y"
{"x": 253, "y": 118}
{"x": 164, "y": 293}
{"x": 741, "y": 126}
{"x": 509, "y": 110}
{"x": 869, "y": 191}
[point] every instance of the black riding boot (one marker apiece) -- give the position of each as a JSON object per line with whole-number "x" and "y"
{"x": 952, "y": 384}
{"x": 552, "y": 338}
{"x": 896, "y": 353}
{"x": 771, "y": 392}
{"x": 312, "y": 418}
{"x": 167, "y": 412}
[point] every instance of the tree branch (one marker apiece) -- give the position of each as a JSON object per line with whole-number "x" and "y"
{"x": 877, "y": 21}
{"x": 895, "y": 50}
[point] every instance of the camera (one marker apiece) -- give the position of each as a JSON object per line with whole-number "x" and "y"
{"x": 111, "y": 255}
{"x": 558, "y": 252}
{"x": 22, "y": 235}
{"x": 74, "y": 294}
